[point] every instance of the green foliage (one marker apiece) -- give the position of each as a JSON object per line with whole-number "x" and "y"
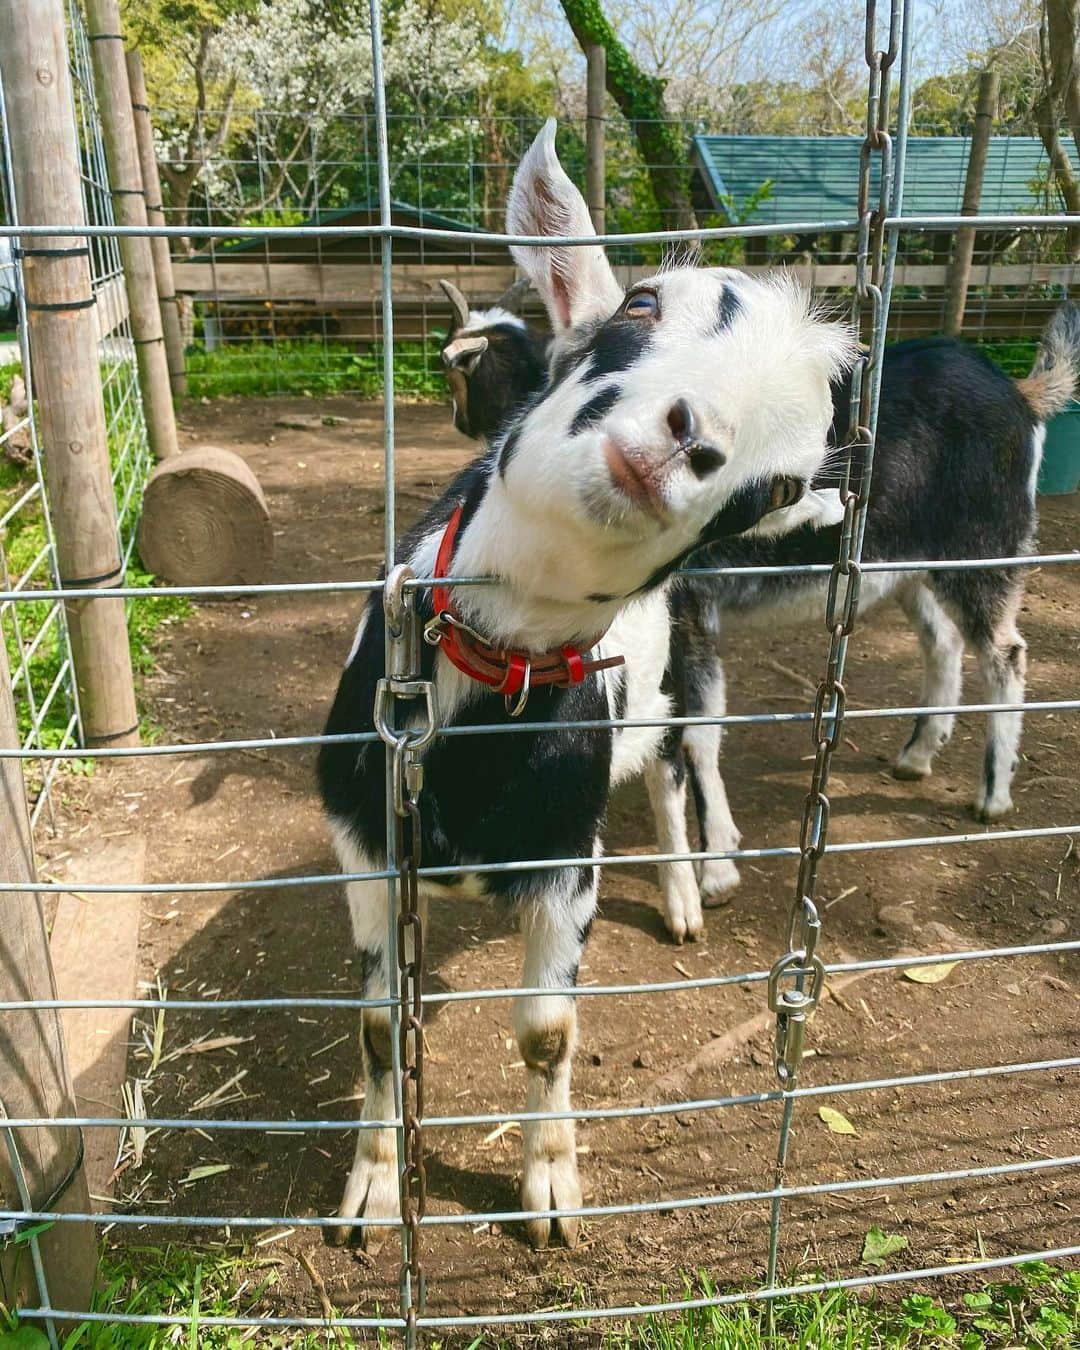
{"x": 1038, "y": 1309}
{"x": 7, "y": 376}
{"x": 1014, "y": 357}
{"x": 34, "y": 626}
{"x": 261, "y": 369}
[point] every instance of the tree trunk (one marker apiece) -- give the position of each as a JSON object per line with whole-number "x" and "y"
{"x": 1060, "y": 98}
{"x": 640, "y": 98}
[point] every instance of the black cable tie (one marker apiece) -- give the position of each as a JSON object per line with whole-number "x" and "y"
{"x": 144, "y": 342}
{"x": 44, "y": 308}
{"x": 113, "y": 735}
{"x": 128, "y": 192}
{"x": 106, "y": 37}
{"x": 72, "y": 583}
{"x": 157, "y": 206}
{"x": 168, "y": 299}
{"x": 82, "y": 251}
{"x": 141, "y": 107}
{"x": 56, "y": 1195}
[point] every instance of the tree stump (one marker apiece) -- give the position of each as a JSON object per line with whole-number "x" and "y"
{"x": 205, "y": 521}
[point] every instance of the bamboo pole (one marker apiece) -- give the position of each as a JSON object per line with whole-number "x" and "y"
{"x": 129, "y": 204}
{"x": 63, "y": 333}
{"x": 595, "y": 90}
{"x": 964, "y": 249}
{"x": 155, "y": 215}
{"x": 42, "y": 1164}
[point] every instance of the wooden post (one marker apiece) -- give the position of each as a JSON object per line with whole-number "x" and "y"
{"x": 155, "y": 215}
{"x": 34, "y": 1079}
{"x": 63, "y": 331}
{"x": 960, "y": 272}
{"x": 129, "y": 204}
{"x": 595, "y": 92}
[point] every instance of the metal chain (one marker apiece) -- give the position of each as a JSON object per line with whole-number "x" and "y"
{"x": 797, "y": 980}
{"x": 404, "y": 683}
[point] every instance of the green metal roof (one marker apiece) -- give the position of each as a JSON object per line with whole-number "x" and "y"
{"x": 816, "y": 177}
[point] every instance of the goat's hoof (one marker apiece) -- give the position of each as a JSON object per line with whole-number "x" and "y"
{"x": 372, "y": 1193}
{"x": 682, "y": 910}
{"x": 994, "y": 809}
{"x": 551, "y": 1183}
{"x": 908, "y": 772}
{"x": 719, "y": 877}
{"x": 686, "y": 928}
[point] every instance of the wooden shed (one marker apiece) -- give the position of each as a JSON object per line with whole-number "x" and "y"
{"x": 330, "y": 285}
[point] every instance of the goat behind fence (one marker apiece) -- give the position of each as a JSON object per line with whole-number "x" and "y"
{"x": 578, "y": 511}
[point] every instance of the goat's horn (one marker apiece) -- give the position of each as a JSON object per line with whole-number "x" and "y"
{"x": 456, "y": 353}
{"x": 458, "y": 303}
{"x": 512, "y": 297}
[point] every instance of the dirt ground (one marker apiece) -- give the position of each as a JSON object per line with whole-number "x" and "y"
{"x": 269, "y": 667}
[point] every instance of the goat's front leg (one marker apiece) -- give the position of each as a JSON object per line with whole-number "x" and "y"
{"x": 555, "y": 925}
{"x": 665, "y": 779}
{"x": 372, "y": 1187}
{"x": 706, "y": 696}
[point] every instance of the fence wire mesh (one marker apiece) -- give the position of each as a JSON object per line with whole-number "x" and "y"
{"x": 32, "y": 606}
{"x": 35, "y": 630}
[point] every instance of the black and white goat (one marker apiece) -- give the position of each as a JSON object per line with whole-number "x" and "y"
{"x": 680, "y": 412}
{"x": 958, "y": 452}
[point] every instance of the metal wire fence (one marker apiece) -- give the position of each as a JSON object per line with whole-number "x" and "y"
{"x": 283, "y": 316}
{"x": 795, "y": 980}
{"x": 35, "y": 631}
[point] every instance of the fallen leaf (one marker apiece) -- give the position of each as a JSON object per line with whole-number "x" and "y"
{"x": 837, "y": 1122}
{"x": 930, "y": 974}
{"x": 206, "y": 1170}
{"x": 879, "y": 1246}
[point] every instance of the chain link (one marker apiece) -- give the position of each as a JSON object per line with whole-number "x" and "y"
{"x": 796, "y": 981}
{"x": 404, "y": 684}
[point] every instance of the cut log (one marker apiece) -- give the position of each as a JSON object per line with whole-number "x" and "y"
{"x": 205, "y": 521}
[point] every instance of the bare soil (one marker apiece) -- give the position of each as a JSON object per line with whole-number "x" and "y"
{"x": 244, "y": 669}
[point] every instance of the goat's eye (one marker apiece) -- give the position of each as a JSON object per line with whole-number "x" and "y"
{"x": 641, "y": 305}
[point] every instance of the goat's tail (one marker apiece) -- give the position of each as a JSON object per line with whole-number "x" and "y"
{"x": 1053, "y": 378}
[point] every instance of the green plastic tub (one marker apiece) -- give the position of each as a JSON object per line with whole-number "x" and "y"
{"x": 1060, "y": 469}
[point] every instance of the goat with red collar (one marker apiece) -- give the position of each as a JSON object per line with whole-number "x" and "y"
{"x": 681, "y": 412}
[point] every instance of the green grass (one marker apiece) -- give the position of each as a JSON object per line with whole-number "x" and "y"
{"x": 1038, "y": 1307}
{"x": 262, "y": 369}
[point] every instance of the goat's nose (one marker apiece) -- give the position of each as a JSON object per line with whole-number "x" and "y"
{"x": 703, "y": 457}
{"x": 680, "y": 419}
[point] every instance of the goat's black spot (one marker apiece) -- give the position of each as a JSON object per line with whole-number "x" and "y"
{"x": 369, "y": 964}
{"x": 616, "y": 346}
{"x": 506, "y": 454}
{"x": 594, "y": 409}
{"x": 916, "y": 731}
{"x": 728, "y": 308}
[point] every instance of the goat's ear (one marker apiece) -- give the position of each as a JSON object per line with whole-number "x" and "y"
{"x": 575, "y": 284}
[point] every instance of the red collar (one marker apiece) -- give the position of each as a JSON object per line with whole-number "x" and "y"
{"x": 503, "y": 669}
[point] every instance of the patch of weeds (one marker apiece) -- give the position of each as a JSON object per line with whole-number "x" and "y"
{"x": 1039, "y": 1310}
{"x": 1015, "y": 357}
{"x": 32, "y": 629}
{"x": 191, "y": 1283}
{"x": 263, "y": 369}
{"x": 8, "y": 373}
